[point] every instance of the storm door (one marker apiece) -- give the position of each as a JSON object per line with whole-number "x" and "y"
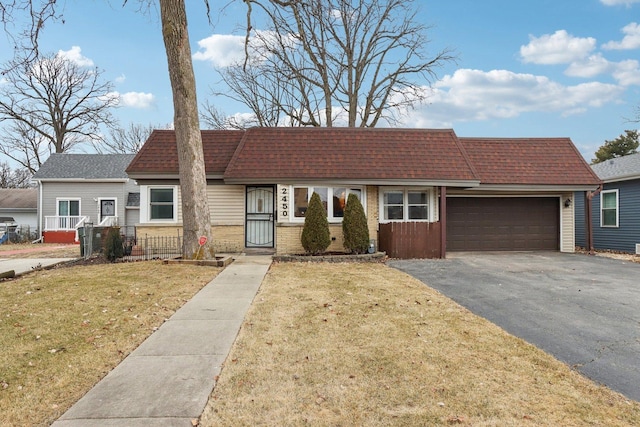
{"x": 259, "y": 221}
{"x": 107, "y": 208}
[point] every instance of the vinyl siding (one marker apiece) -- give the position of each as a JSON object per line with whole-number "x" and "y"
{"x": 627, "y": 234}
{"x": 578, "y": 203}
{"x": 89, "y": 194}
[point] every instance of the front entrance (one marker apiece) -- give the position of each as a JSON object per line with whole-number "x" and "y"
{"x": 259, "y": 227}
{"x": 107, "y": 208}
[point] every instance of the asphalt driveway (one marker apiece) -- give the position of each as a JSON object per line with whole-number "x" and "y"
{"x": 584, "y": 310}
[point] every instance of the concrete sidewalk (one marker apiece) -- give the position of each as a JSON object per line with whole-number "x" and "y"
{"x": 168, "y": 379}
{"x": 21, "y": 266}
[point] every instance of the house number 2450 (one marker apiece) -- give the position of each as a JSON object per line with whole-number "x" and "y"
{"x": 284, "y": 201}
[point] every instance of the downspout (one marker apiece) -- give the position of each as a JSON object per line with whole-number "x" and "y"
{"x": 443, "y": 222}
{"x": 588, "y": 196}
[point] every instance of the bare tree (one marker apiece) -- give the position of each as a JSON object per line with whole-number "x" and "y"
{"x": 50, "y": 106}
{"x": 328, "y": 62}
{"x": 16, "y": 178}
{"x": 126, "y": 140}
{"x": 193, "y": 181}
{"x": 195, "y": 209}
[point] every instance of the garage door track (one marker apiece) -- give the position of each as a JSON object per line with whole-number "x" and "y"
{"x": 584, "y": 310}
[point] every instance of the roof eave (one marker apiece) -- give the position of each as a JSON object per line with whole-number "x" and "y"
{"x": 629, "y": 177}
{"x": 342, "y": 181}
{"x": 525, "y": 188}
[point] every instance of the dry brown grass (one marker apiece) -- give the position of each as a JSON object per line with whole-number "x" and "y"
{"x": 356, "y": 345}
{"x": 39, "y": 250}
{"x": 62, "y": 330}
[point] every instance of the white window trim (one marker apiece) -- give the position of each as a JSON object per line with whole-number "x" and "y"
{"x": 602, "y": 208}
{"x": 145, "y": 204}
{"x": 330, "y": 187}
{"x": 68, "y": 199}
{"x": 115, "y": 206}
{"x": 431, "y": 204}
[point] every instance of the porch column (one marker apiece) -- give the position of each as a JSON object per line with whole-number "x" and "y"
{"x": 443, "y": 222}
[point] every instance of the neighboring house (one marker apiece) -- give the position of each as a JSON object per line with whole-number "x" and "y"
{"x": 77, "y": 189}
{"x": 21, "y": 204}
{"x": 615, "y": 211}
{"x": 424, "y": 191}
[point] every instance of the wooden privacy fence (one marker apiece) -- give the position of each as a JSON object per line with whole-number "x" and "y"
{"x": 406, "y": 240}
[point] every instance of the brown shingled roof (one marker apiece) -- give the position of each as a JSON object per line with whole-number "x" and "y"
{"x": 370, "y": 154}
{"x": 528, "y": 161}
{"x": 159, "y": 154}
{"x": 349, "y": 154}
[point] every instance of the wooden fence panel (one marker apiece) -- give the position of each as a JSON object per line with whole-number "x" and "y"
{"x": 407, "y": 240}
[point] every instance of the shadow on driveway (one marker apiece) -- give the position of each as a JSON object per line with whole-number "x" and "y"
{"x": 584, "y": 310}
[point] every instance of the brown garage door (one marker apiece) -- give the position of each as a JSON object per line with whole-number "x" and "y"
{"x": 503, "y": 223}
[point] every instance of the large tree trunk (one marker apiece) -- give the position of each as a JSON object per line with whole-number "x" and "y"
{"x": 193, "y": 181}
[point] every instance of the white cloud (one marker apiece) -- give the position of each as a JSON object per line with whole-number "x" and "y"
{"x": 121, "y": 78}
{"x": 74, "y": 54}
{"x": 221, "y": 50}
{"x": 557, "y": 48}
{"x": 134, "y": 99}
{"x": 628, "y": 72}
{"x": 619, "y": 2}
{"x": 224, "y": 50}
{"x": 631, "y": 40}
{"x": 475, "y": 95}
{"x": 589, "y": 67}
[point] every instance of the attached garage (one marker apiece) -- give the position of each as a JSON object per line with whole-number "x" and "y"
{"x": 503, "y": 223}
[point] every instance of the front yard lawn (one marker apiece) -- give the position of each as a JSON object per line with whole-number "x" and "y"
{"x": 367, "y": 345}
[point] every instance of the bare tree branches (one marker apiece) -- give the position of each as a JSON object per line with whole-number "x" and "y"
{"x": 126, "y": 140}
{"x": 51, "y": 105}
{"x": 16, "y": 178}
{"x": 36, "y": 14}
{"x": 333, "y": 62}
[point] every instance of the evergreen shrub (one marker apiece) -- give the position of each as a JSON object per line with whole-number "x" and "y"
{"x": 113, "y": 245}
{"x": 316, "y": 237}
{"x": 354, "y": 226}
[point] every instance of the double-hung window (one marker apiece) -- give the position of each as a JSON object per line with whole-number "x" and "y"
{"x": 161, "y": 204}
{"x": 333, "y": 199}
{"x": 609, "y": 208}
{"x": 402, "y": 204}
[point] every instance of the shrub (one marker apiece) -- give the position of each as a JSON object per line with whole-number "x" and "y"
{"x": 113, "y": 245}
{"x": 316, "y": 237}
{"x": 354, "y": 226}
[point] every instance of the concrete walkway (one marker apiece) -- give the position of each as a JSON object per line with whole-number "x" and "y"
{"x": 168, "y": 379}
{"x": 21, "y": 266}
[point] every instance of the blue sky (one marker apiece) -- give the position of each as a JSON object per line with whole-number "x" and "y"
{"x": 528, "y": 68}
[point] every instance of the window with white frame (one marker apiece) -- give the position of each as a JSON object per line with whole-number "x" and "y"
{"x": 609, "y": 208}
{"x": 404, "y": 204}
{"x": 333, "y": 199}
{"x": 68, "y": 207}
{"x": 161, "y": 204}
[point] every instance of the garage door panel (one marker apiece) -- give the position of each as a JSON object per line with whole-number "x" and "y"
{"x": 503, "y": 224}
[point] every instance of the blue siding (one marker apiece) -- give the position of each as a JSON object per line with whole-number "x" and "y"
{"x": 627, "y": 234}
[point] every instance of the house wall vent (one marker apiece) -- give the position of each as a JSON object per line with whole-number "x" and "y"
{"x": 637, "y": 248}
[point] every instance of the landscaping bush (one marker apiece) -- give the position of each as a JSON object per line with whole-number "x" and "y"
{"x": 316, "y": 237}
{"x": 354, "y": 226}
{"x": 113, "y": 245}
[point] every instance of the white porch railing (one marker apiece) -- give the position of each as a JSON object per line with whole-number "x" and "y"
{"x": 109, "y": 221}
{"x": 62, "y": 223}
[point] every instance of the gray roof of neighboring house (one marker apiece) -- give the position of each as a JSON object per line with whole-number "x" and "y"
{"x": 620, "y": 168}
{"x": 133, "y": 200}
{"x": 19, "y": 198}
{"x": 84, "y": 166}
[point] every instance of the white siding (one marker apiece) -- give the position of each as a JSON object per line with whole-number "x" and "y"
{"x": 567, "y": 228}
